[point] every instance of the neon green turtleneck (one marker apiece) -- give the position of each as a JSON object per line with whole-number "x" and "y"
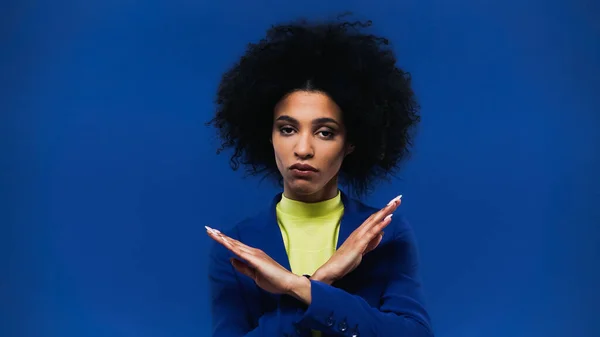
{"x": 310, "y": 232}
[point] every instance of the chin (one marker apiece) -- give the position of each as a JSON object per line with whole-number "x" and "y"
{"x": 303, "y": 187}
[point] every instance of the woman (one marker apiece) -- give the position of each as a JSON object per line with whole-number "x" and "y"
{"x": 317, "y": 105}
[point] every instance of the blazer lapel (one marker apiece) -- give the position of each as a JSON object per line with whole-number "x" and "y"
{"x": 354, "y": 215}
{"x": 270, "y": 237}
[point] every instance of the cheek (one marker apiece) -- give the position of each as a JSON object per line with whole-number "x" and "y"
{"x": 277, "y": 152}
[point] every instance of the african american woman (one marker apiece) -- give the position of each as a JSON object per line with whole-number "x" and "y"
{"x": 317, "y": 106}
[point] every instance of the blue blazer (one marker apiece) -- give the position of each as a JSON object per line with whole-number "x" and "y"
{"x": 382, "y": 297}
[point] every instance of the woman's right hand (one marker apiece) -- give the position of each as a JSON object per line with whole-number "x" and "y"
{"x": 363, "y": 240}
{"x": 263, "y": 270}
{"x": 256, "y": 264}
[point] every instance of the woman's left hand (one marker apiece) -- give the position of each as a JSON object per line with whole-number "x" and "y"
{"x": 256, "y": 264}
{"x": 363, "y": 240}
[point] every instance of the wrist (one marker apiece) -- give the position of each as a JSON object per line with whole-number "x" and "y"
{"x": 322, "y": 276}
{"x": 301, "y": 289}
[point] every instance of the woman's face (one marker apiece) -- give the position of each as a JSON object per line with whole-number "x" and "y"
{"x": 309, "y": 140}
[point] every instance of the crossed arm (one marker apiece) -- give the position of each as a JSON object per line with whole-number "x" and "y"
{"x": 326, "y": 308}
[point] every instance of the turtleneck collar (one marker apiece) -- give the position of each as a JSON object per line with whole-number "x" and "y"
{"x": 304, "y": 209}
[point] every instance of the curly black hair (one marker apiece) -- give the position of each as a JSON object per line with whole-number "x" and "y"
{"x": 357, "y": 70}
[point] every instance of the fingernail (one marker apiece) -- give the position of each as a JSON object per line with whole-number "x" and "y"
{"x": 395, "y": 200}
{"x": 211, "y": 230}
{"x": 388, "y": 217}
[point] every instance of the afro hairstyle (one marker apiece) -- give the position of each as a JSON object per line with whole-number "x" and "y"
{"x": 355, "y": 69}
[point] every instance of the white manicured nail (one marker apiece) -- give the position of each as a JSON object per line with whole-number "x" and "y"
{"x": 211, "y": 230}
{"x": 395, "y": 199}
{"x": 388, "y": 217}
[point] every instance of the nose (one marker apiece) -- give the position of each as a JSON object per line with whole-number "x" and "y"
{"x": 304, "y": 147}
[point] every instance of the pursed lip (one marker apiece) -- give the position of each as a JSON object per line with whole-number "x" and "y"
{"x": 303, "y": 167}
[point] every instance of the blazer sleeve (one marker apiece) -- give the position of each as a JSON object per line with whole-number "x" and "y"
{"x": 231, "y": 314}
{"x": 401, "y": 313}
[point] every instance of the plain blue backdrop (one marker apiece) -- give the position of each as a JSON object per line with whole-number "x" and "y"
{"x": 109, "y": 174}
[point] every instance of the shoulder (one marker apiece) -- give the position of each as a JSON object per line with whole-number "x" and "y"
{"x": 249, "y": 224}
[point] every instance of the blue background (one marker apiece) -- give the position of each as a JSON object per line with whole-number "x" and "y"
{"x": 109, "y": 174}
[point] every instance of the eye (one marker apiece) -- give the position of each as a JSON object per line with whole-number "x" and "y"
{"x": 326, "y": 134}
{"x": 286, "y": 130}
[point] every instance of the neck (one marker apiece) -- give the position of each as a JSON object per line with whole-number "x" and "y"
{"x": 329, "y": 191}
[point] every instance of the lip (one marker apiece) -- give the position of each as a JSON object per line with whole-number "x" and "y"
{"x": 303, "y": 168}
{"x": 302, "y": 174}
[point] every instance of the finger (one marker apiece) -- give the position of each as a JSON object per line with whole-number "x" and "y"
{"x": 374, "y": 243}
{"x": 395, "y": 201}
{"x": 213, "y": 235}
{"x": 375, "y": 230}
{"x": 377, "y": 217}
{"x": 222, "y": 238}
{"x": 227, "y": 243}
{"x": 243, "y": 268}
{"x": 368, "y": 230}
{"x": 383, "y": 211}
{"x": 391, "y": 207}
{"x": 235, "y": 242}
{"x": 240, "y": 244}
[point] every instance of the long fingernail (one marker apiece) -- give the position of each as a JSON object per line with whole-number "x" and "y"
{"x": 211, "y": 230}
{"x": 396, "y": 199}
{"x": 388, "y": 217}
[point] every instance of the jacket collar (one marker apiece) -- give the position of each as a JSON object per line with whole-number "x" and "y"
{"x": 354, "y": 215}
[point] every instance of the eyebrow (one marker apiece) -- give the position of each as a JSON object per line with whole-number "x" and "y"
{"x": 321, "y": 120}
